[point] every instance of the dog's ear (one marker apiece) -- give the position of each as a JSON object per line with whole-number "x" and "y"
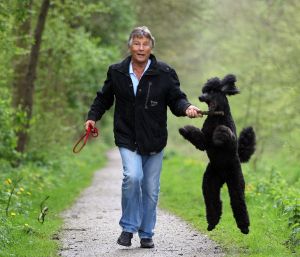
{"x": 228, "y": 85}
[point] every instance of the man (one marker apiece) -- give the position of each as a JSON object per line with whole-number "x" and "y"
{"x": 142, "y": 88}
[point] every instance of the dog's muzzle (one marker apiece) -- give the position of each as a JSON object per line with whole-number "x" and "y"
{"x": 203, "y": 97}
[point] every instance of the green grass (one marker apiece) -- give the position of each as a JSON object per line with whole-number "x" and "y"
{"x": 63, "y": 180}
{"x": 181, "y": 194}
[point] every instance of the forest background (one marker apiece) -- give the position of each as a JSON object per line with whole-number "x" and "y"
{"x": 53, "y": 58}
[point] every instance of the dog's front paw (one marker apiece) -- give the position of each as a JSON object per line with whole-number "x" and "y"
{"x": 223, "y": 135}
{"x": 186, "y": 131}
{"x": 182, "y": 132}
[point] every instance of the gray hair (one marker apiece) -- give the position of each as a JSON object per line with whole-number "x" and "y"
{"x": 141, "y": 32}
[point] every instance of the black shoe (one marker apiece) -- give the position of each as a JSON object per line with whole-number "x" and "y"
{"x": 125, "y": 238}
{"x": 147, "y": 243}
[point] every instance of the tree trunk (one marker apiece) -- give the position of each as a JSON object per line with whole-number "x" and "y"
{"x": 25, "y": 86}
{"x": 21, "y": 63}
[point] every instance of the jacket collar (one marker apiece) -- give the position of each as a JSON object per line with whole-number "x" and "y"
{"x": 124, "y": 66}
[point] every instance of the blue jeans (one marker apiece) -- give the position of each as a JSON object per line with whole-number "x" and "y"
{"x": 140, "y": 189}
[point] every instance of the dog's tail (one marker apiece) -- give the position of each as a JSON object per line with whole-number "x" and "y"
{"x": 246, "y": 144}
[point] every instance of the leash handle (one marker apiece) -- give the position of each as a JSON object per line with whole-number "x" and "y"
{"x": 91, "y": 130}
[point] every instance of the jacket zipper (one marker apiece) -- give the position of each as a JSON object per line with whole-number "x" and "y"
{"x": 148, "y": 93}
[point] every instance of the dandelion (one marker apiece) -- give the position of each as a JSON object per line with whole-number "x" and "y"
{"x": 13, "y": 214}
{"x": 8, "y": 181}
{"x": 27, "y": 229}
{"x": 249, "y": 188}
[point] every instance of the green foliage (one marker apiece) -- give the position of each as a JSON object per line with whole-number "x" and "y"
{"x": 66, "y": 88}
{"x": 113, "y": 25}
{"x": 7, "y": 48}
{"x": 75, "y": 54}
{"x": 176, "y": 26}
{"x": 7, "y": 135}
{"x": 293, "y": 211}
{"x": 72, "y": 66}
{"x": 250, "y": 39}
{"x": 285, "y": 199}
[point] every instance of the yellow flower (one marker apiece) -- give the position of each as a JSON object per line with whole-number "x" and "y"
{"x": 249, "y": 188}
{"x": 8, "y": 181}
{"x": 21, "y": 189}
{"x": 26, "y": 225}
{"x": 13, "y": 214}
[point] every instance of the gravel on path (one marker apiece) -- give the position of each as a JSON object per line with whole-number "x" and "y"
{"x": 92, "y": 225}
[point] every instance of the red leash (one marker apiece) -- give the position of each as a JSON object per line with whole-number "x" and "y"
{"x": 90, "y": 130}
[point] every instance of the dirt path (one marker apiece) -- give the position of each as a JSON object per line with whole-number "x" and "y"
{"x": 91, "y": 225}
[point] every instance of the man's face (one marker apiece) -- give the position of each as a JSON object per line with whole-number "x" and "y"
{"x": 140, "y": 50}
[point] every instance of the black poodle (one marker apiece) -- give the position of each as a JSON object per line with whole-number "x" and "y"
{"x": 224, "y": 150}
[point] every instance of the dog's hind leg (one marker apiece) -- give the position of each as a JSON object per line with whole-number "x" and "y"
{"x": 236, "y": 188}
{"x": 194, "y": 135}
{"x": 211, "y": 187}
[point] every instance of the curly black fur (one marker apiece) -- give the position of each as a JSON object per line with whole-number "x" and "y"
{"x": 225, "y": 152}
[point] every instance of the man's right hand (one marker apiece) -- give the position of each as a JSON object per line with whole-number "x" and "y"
{"x": 89, "y": 123}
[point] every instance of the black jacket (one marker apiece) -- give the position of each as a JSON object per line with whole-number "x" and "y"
{"x": 140, "y": 122}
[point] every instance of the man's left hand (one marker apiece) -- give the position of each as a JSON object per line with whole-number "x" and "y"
{"x": 193, "y": 112}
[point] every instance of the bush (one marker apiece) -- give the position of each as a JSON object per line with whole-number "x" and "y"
{"x": 7, "y": 136}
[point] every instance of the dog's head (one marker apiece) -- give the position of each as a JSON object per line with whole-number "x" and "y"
{"x": 215, "y": 90}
